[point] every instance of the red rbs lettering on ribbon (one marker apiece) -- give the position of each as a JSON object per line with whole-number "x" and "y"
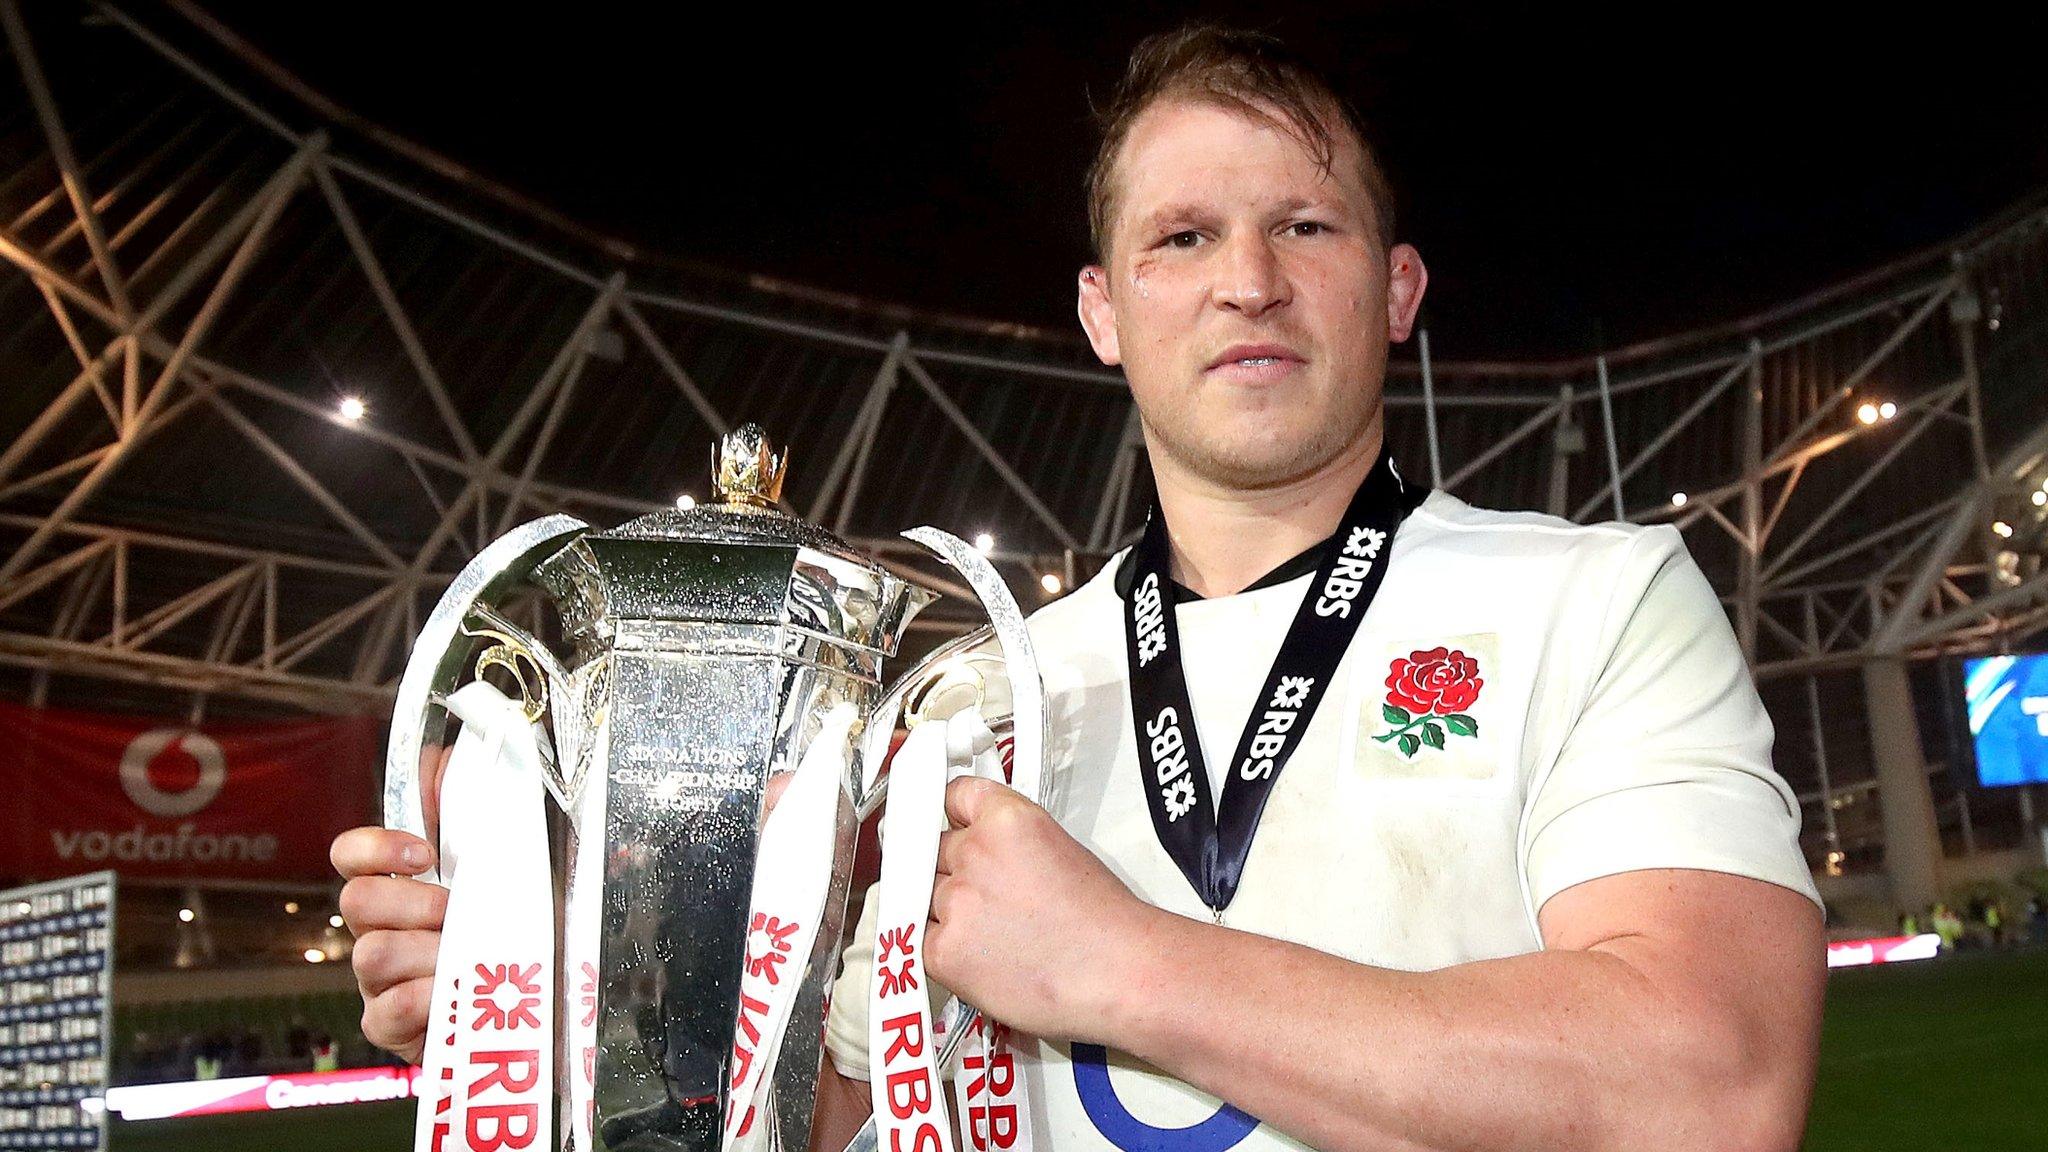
{"x": 587, "y": 1056}
{"x": 910, "y": 1093}
{"x": 494, "y": 1126}
{"x": 770, "y": 941}
{"x": 440, "y": 1140}
{"x": 501, "y": 1074}
{"x": 992, "y": 1126}
{"x": 523, "y": 981}
{"x": 510, "y": 1126}
{"x": 903, "y": 977}
{"x": 925, "y": 1139}
{"x": 906, "y": 1038}
{"x": 895, "y": 940}
{"x": 777, "y": 932}
{"x": 747, "y": 1039}
{"x": 444, "y": 1100}
{"x": 588, "y": 995}
{"x": 992, "y": 1093}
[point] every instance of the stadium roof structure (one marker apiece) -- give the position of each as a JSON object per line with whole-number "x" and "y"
{"x": 202, "y": 275}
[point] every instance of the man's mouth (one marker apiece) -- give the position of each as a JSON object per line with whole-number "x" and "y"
{"x": 1256, "y": 357}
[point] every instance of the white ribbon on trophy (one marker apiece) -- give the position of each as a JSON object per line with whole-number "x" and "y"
{"x": 904, "y": 1048}
{"x": 989, "y": 1095}
{"x": 791, "y": 881}
{"x": 903, "y": 1052}
{"x": 581, "y": 936}
{"x": 990, "y": 1091}
{"x": 487, "y": 1069}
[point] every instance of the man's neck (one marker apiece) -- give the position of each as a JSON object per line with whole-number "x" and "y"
{"x": 1223, "y": 539}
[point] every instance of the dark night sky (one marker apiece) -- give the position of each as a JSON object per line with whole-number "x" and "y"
{"x": 1621, "y": 170}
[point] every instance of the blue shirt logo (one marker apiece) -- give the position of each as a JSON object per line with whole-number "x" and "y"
{"x": 1225, "y": 1128}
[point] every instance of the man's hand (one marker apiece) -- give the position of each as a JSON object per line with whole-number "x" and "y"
{"x": 397, "y": 925}
{"x": 1027, "y": 924}
{"x": 397, "y": 920}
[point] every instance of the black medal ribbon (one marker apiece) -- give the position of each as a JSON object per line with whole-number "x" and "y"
{"x": 1210, "y": 840}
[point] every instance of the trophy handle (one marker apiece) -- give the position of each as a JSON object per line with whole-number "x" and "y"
{"x": 869, "y": 792}
{"x": 1027, "y": 690}
{"x": 1027, "y": 710}
{"x": 439, "y": 655}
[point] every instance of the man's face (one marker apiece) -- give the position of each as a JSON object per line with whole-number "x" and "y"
{"x": 1246, "y": 295}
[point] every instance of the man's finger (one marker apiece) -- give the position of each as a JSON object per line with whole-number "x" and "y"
{"x": 374, "y": 903}
{"x": 380, "y": 852}
{"x": 397, "y": 1019}
{"x": 433, "y": 766}
{"x": 968, "y": 797}
{"x": 777, "y": 785}
{"x": 386, "y": 958}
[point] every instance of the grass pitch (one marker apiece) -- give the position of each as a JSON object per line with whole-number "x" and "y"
{"x": 1950, "y": 1053}
{"x": 1947, "y": 1054}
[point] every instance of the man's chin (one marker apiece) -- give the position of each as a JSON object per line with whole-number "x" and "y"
{"x": 1263, "y": 463}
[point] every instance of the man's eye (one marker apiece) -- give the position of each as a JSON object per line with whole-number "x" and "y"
{"x": 1187, "y": 239}
{"x": 1307, "y": 228}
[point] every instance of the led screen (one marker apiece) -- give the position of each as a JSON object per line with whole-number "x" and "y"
{"x": 2008, "y": 701}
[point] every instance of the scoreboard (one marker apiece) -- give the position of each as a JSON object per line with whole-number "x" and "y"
{"x": 56, "y": 1024}
{"x": 2007, "y": 698}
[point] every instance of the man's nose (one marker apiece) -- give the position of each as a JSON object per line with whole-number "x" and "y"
{"x": 1250, "y": 279}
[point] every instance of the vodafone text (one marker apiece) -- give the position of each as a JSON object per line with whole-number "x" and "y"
{"x": 139, "y": 843}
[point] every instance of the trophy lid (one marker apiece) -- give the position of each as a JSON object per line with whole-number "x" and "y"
{"x": 836, "y": 589}
{"x": 746, "y": 470}
{"x": 746, "y": 475}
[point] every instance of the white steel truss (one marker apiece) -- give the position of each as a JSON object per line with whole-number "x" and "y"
{"x": 188, "y": 281}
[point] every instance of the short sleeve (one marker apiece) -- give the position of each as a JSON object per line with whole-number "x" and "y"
{"x": 1668, "y": 764}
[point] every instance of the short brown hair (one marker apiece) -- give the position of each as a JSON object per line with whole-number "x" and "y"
{"x": 1247, "y": 72}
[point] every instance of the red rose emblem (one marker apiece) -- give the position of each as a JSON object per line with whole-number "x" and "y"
{"x": 1442, "y": 681}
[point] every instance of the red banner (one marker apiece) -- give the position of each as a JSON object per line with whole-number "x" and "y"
{"x": 150, "y": 797}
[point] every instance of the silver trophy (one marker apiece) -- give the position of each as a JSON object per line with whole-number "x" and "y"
{"x": 703, "y": 647}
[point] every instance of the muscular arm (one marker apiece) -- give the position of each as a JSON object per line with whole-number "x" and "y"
{"x": 1670, "y": 1009}
{"x": 842, "y": 1109}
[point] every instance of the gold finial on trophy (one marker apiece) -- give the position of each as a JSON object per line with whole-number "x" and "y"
{"x": 747, "y": 470}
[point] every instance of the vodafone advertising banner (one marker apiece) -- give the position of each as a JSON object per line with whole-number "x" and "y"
{"x": 149, "y": 797}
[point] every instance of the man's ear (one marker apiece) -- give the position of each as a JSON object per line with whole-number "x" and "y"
{"x": 1406, "y": 279}
{"x": 1098, "y": 314}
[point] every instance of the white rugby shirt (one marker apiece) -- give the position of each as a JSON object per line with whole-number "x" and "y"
{"x": 1615, "y": 728}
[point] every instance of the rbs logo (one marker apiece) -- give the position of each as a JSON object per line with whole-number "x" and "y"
{"x": 1347, "y": 577}
{"x": 1150, "y": 611}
